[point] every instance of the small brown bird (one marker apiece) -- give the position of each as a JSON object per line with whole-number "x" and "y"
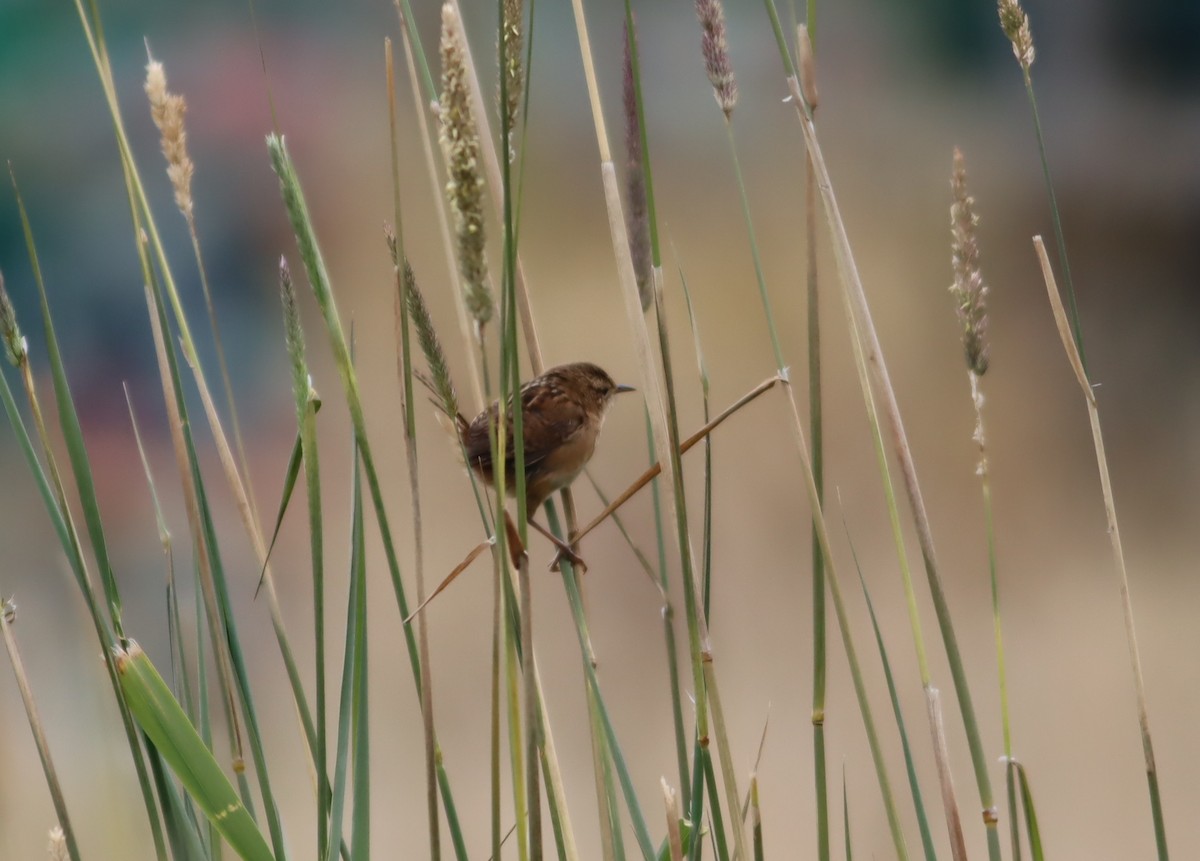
{"x": 562, "y": 412}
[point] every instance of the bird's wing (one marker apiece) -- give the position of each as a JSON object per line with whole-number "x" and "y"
{"x": 545, "y": 428}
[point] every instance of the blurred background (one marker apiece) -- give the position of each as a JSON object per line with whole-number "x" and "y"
{"x": 1118, "y": 85}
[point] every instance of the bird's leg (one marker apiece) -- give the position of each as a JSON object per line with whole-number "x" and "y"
{"x": 564, "y": 549}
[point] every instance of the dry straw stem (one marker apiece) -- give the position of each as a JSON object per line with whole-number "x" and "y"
{"x": 671, "y": 803}
{"x": 933, "y": 703}
{"x": 636, "y": 219}
{"x": 65, "y": 836}
{"x": 1114, "y": 532}
{"x": 203, "y": 561}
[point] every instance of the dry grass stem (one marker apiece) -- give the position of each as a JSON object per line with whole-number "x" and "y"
{"x": 933, "y": 702}
{"x": 636, "y": 216}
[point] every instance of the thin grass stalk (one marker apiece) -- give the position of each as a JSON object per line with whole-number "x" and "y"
{"x": 319, "y": 280}
{"x": 141, "y": 213}
{"x": 660, "y": 408}
{"x": 351, "y": 668}
{"x": 221, "y": 614}
{"x": 816, "y": 434}
{"x": 8, "y": 614}
{"x": 958, "y": 845}
{"x": 852, "y": 287}
{"x": 510, "y": 349}
{"x": 1114, "y": 533}
{"x": 575, "y": 598}
{"x": 717, "y": 818}
{"x": 401, "y": 272}
{"x": 909, "y": 765}
{"x": 58, "y": 508}
{"x": 305, "y": 400}
{"x": 413, "y": 47}
{"x": 167, "y": 110}
{"x": 360, "y": 744}
{"x": 933, "y": 714}
{"x": 756, "y": 819}
{"x": 175, "y": 422}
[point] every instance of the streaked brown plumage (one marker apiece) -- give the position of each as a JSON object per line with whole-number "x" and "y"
{"x": 562, "y": 412}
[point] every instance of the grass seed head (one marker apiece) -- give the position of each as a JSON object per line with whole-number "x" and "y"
{"x": 459, "y": 137}
{"x": 167, "y": 109}
{"x": 968, "y": 289}
{"x": 511, "y": 41}
{"x": 1015, "y": 24}
{"x": 15, "y": 345}
{"x": 715, "y": 46}
{"x": 435, "y": 357}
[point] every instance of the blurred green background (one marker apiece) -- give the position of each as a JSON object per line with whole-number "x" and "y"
{"x": 901, "y": 84}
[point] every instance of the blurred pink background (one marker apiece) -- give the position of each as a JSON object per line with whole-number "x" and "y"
{"x": 1119, "y": 93}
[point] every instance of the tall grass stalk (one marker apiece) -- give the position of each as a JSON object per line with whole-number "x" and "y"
{"x": 852, "y": 285}
{"x": 402, "y": 276}
{"x": 816, "y": 434}
{"x": 1015, "y": 24}
{"x": 319, "y": 280}
{"x": 660, "y": 401}
{"x": 144, "y": 218}
{"x": 909, "y": 765}
{"x": 54, "y": 496}
{"x": 1075, "y": 357}
{"x": 970, "y": 298}
{"x": 8, "y": 615}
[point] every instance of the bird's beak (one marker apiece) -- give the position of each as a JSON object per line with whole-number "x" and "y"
{"x": 625, "y": 388}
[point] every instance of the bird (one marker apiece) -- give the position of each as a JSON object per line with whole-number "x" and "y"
{"x": 562, "y": 413}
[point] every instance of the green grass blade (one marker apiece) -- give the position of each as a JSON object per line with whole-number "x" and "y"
{"x": 360, "y": 745}
{"x": 289, "y": 485}
{"x": 1031, "y": 820}
{"x": 162, "y": 719}
{"x": 909, "y": 765}
{"x": 178, "y": 816}
{"x": 71, "y": 429}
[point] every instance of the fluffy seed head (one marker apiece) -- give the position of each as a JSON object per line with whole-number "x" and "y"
{"x": 439, "y": 373}
{"x": 968, "y": 289}
{"x": 1015, "y": 24}
{"x": 167, "y": 110}
{"x": 511, "y": 40}
{"x": 459, "y": 137}
{"x": 716, "y": 53}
